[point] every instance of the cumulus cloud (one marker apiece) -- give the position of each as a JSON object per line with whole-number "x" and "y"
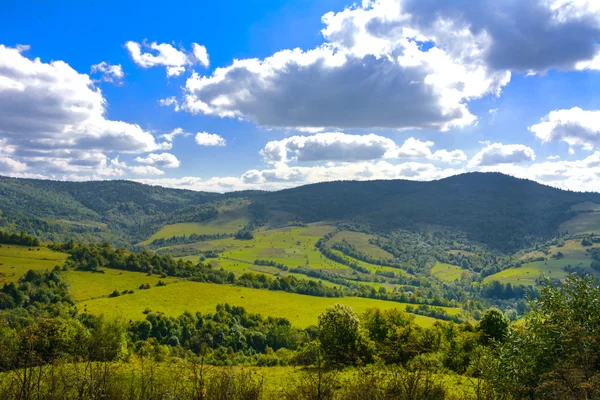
{"x": 575, "y": 127}
{"x": 53, "y": 117}
{"x": 110, "y": 73}
{"x": 170, "y": 101}
{"x": 164, "y": 160}
{"x": 200, "y": 54}
{"x": 332, "y": 146}
{"x": 283, "y": 176}
{"x": 163, "y": 54}
{"x": 209, "y": 139}
{"x": 342, "y": 147}
{"x": 8, "y": 165}
{"x": 498, "y": 153}
{"x": 169, "y": 137}
{"x": 580, "y": 175}
{"x": 373, "y": 70}
{"x": 524, "y": 36}
{"x": 146, "y": 170}
{"x": 450, "y": 157}
{"x": 359, "y": 78}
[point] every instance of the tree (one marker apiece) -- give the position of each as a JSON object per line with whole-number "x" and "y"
{"x": 554, "y": 353}
{"x": 339, "y": 334}
{"x": 494, "y": 325}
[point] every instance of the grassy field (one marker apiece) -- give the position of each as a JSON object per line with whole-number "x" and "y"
{"x": 89, "y": 285}
{"x": 15, "y": 261}
{"x": 291, "y": 246}
{"x": 181, "y": 296}
{"x": 574, "y": 255}
{"x": 229, "y": 220}
{"x": 583, "y": 223}
{"x": 447, "y": 272}
{"x": 361, "y": 242}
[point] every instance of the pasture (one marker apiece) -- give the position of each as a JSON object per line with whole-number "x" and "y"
{"x": 584, "y": 222}
{"x": 361, "y": 242}
{"x": 180, "y": 296}
{"x": 229, "y": 220}
{"x": 15, "y": 260}
{"x": 447, "y": 272}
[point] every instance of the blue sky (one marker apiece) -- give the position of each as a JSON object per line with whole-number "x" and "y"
{"x": 276, "y": 94}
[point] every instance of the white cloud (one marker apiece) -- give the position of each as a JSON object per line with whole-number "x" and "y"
{"x": 164, "y": 160}
{"x": 146, "y": 170}
{"x": 170, "y": 101}
{"x": 110, "y": 73}
{"x": 414, "y": 148}
{"x": 53, "y": 117}
{"x": 209, "y": 139}
{"x": 331, "y": 146}
{"x": 175, "y": 61}
{"x": 201, "y": 54}
{"x": 283, "y": 176}
{"x": 354, "y": 80}
{"x": 498, "y": 153}
{"x": 575, "y": 127}
{"x": 552, "y": 158}
{"x": 169, "y": 137}
{"x": 580, "y": 175}
{"x": 8, "y": 165}
{"x": 525, "y": 36}
{"x": 339, "y": 146}
{"x": 450, "y": 157}
{"x": 402, "y": 64}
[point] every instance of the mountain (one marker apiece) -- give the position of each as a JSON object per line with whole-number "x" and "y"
{"x": 494, "y": 209}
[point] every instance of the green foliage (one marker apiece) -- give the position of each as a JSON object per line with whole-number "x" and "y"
{"x": 244, "y": 234}
{"x": 21, "y": 239}
{"x": 490, "y": 208}
{"x": 555, "y": 353}
{"x": 494, "y": 325}
{"x": 339, "y": 334}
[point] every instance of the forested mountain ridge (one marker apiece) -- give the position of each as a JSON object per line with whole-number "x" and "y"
{"x": 492, "y": 208}
{"x": 498, "y": 210}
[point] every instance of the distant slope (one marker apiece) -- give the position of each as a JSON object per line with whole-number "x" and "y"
{"x": 128, "y": 209}
{"x": 501, "y": 211}
{"x": 496, "y": 209}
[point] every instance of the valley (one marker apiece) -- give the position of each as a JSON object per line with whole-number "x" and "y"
{"x": 247, "y": 280}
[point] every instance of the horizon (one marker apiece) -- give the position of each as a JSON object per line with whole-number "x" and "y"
{"x": 285, "y": 94}
{"x": 306, "y": 184}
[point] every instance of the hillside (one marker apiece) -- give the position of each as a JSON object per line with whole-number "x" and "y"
{"x": 494, "y": 209}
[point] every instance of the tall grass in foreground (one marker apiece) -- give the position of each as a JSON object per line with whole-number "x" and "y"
{"x": 147, "y": 379}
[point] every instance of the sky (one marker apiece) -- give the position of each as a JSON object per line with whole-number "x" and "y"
{"x": 272, "y": 94}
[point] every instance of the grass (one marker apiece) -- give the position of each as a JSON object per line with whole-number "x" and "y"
{"x": 89, "y": 285}
{"x": 181, "y": 296}
{"x": 447, "y": 272}
{"x": 229, "y": 220}
{"x": 361, "y": 242}
{"x": 290, "y": 246}
{"x": 15, "y": 261}
{"x": 585, "y": 222}
{"x": 574, "y": 254}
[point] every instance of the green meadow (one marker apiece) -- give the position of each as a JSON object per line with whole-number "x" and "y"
{"x": 574, "y": 254}
{"x": 584, "y": 222}
{"x": 447, "y": 272}
{"x": 15, "y": 261}
{"x": 361, "y": 242}
{"x": 180, "y": 296}
{"x": 91, "y": 290}
{"x": 229, "y": 220}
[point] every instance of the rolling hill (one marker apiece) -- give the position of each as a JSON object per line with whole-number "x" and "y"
{"x": 494, "y": 209}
